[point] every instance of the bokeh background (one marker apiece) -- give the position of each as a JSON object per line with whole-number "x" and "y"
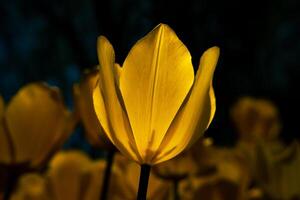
{"x": 55, "y": 41}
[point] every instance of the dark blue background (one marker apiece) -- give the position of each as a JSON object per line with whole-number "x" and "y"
{"x": 55, "y": 41}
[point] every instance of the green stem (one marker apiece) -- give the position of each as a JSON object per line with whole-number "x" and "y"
{"x": 105, "y": 183}
{"x": 143, "y": 184}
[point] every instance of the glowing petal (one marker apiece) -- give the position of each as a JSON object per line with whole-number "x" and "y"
{"x": 195, "y": 116}
{"x": 156, "y": 77}
{"x": 33, "y": 117}
{"x": 107, "y": 104}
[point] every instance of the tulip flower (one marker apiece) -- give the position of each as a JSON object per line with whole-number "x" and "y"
{"x": 268, "y": 125}
{"x": 33, "y": 125}
{"x": 83, "y": 97}
{"x": 152, "y": 107}
{"x": 71, "y": 175}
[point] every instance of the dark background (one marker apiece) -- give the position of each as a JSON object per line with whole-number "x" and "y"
{"x": 55, "y": 41}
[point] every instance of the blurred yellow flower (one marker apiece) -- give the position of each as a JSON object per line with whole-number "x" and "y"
{"x": 152, "y": 108}
{"x": 83, "y": 97}
{"x": 255, "y": 118}
{"x": 243, "y": 116}
{"x": 229, "y": 179}
{"x": 72, "y": 175}
{"x": 177, "y": 168}
{"x": 33, "y": 125}
{"x": 268, "y": 124}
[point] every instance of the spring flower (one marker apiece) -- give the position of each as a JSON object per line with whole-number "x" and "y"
{"x": 152, "y": 107}
{"x": 33, "y": 125}
{"x": 83, "y": 97}
{"x": 71, "y": 175}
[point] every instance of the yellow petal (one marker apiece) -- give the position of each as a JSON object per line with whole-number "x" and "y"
{"x": 33, "y": 117}
{"x": 194, "y": 117}
{"x": 83, "y": 97}
{"x": 65, "y": 174}
{"x": 156, "y": 77}
{"x": 93, "y": 176}
{"x": 107, "y": 104}
{"x": 64, "y": 129}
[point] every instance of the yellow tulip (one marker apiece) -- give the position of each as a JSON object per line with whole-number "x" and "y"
{"x": 83, "y": 97}
{"x": 255, "y": 118}
{"x": 153, "y": 107}
{"x": 33, "y": 125}
{"x": 268, "y": 125}
{"x": 71, "y": 175}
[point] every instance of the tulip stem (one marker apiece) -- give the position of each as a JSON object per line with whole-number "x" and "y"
{"x": 175, "y": 188}
{"x": 143, "y": 184}
{"x": 108, "y": 168}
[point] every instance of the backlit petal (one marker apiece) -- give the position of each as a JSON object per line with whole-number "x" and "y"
{"x": 196, "y": 115}
{"x": 107, "y": 105}
{"x": 156, "y": 77}
{"x": 33, "y": 117}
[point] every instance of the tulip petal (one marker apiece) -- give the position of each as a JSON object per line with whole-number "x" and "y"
{"x": 107, "y": 104}
{"x": 83, "y": 97}
{"x": 156, "y": 78}
{"x": 33, "y": 117}
{"x": 195, "y": 116}
{"x": 64, "y": 129}
{"x": 65, "y": 174}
